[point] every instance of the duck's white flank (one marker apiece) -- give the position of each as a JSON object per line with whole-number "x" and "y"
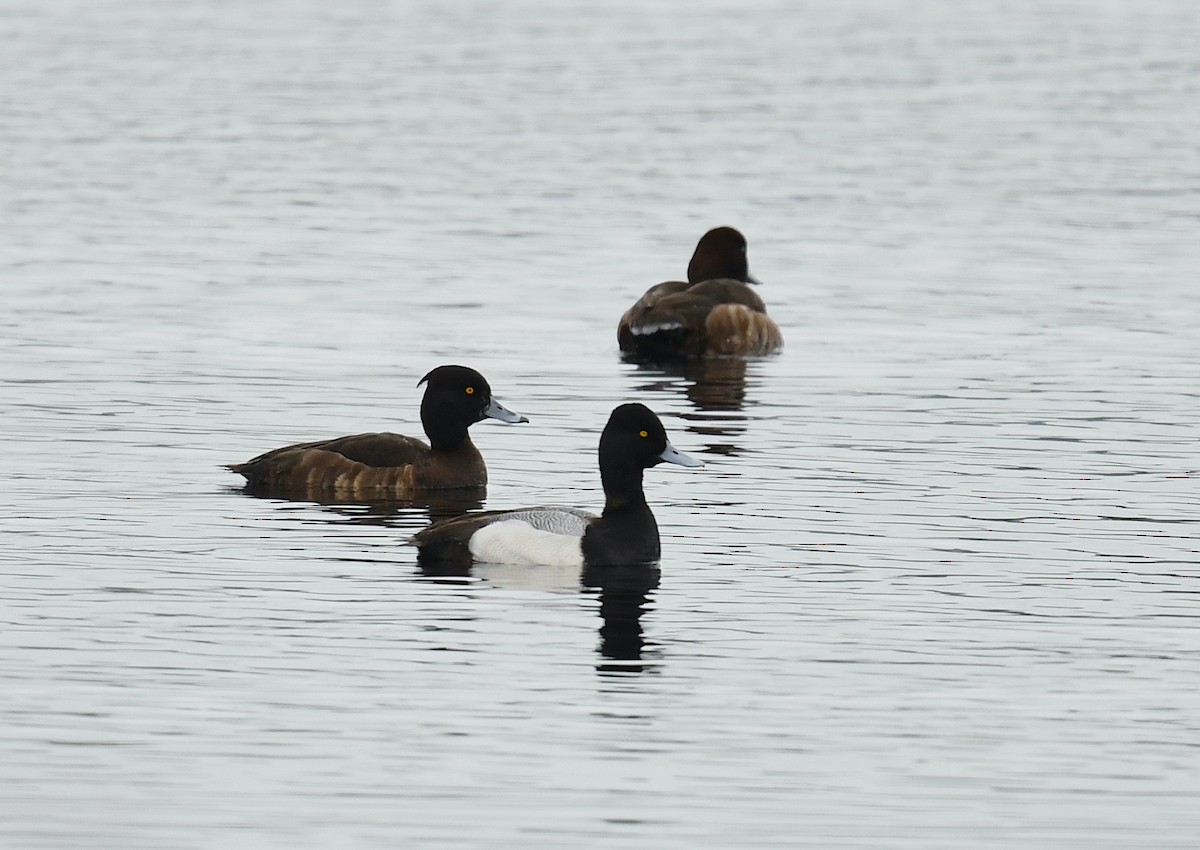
{"x": 514, "y": 541}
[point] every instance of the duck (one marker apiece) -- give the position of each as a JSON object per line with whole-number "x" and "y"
{"x": 387, "y": 465}
{"x": 625, "y": 534}
{"x": 714, "y": 313}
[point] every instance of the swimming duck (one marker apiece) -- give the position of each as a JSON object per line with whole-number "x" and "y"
{"x": 714, "y": 312}
{"x": 624, "y": 534}
{"x": 392, "y": 465}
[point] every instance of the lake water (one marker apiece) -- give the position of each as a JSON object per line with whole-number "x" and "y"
{"x": 937, "y": 586}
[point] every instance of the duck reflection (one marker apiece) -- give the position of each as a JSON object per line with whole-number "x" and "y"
{"x": 716, "y": 387}
{"x": 419, "y": 510}
{"x": 625, "y": 594}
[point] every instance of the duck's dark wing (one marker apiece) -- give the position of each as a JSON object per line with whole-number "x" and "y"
{"x": 663, "y": 321}
{"x": 381, "y": 449}
{"x": 721, "y": 316}
{"x": 455, "y": 531}
{"x": 380, "y": 461}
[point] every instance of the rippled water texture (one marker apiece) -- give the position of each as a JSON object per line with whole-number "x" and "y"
{"x": 935, "y": 588}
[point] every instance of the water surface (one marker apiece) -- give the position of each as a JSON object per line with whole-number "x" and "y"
{"x": 936, "y": 586}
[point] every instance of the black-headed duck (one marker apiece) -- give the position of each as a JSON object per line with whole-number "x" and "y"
{"x": 386, "y": 465}
{"x": 624, "y": 534}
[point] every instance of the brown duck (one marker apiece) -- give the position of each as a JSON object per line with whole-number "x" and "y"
{"x": 386, "y": 465}
{"x": 714, "y": 312}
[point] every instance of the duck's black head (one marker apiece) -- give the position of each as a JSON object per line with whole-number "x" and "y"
{"x": 456, "y": 398}
{"x": 634, "y": 436}
{"x": 633, "y": 440}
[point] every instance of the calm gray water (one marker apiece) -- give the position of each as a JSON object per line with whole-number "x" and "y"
{"x": 936, "y": 587}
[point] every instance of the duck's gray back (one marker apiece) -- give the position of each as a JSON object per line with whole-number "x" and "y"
{"x": 566, "y": 521}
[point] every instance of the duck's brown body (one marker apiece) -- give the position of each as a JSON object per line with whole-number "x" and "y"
{"x": 385, "y": 465}
{"x": 711, "y": 317}
{"x": 714, "y": 312}
{"x": 382, "y": 465}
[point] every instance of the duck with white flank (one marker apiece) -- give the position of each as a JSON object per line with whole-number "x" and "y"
{"x": 624, "y": 534}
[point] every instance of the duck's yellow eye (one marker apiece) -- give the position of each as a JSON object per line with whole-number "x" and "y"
{"x": 643, "y": 433}
{"x": 470, "y": 391}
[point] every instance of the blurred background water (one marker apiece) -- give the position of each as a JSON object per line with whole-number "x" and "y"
{"x": 936, "y": 586}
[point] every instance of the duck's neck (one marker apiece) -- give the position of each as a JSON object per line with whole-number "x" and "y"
{"x": 460, "y": 466}
{"x": 447, "y": 440}
{"x": 622, "y": 489}
{"x": 626, "y": 533}
{"x": 445, "y": 435}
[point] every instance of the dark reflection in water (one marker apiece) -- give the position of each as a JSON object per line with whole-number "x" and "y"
{"x": 625, "y": 594}
{"x": 716, "y": 387}
{"x": 366, "y": 511}
{"x": 444, "y": 567}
